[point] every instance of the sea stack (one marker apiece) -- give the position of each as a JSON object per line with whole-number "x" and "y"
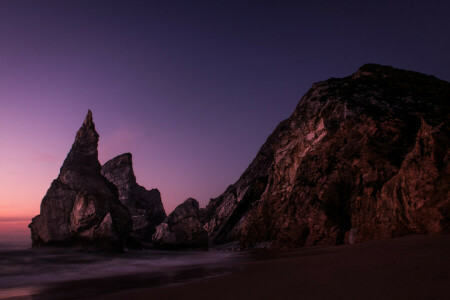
{"x": 81, "y": 206}
{"x": 145, "y": 206}
{"x": 362, "y": 157}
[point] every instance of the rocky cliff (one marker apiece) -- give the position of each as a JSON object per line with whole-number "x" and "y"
{"x": 81, "y": 206}
{"x": 361, "y": 157}
{"x": 145, "y": 206}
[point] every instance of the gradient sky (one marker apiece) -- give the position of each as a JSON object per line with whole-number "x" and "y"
{"x": 191, "y": 90}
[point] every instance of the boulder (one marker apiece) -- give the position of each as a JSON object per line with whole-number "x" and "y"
{"x": 182, "y": 228}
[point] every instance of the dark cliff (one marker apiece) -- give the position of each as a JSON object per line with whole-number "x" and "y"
{"x": 361, "y": 157}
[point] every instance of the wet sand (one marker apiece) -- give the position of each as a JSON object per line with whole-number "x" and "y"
{"x": 411, "y": 267}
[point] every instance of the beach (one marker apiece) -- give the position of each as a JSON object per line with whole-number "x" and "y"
{"x": 411, "y": 267}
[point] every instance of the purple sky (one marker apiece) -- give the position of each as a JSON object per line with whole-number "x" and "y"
{"x": 192, "y": 91}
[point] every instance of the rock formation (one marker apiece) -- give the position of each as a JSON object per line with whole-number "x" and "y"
{"x": 362, "y": 157}
{"x": 145, "y": 206}
{"x": 182, "y": 229}
{"x": 81, "y": 206}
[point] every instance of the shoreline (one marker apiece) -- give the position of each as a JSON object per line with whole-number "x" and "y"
{"x": 80, "y": 276}
{"x": 98, "y": 287}
{"x": 410, "y": 267}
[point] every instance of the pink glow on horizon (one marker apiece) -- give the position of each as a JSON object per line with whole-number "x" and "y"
{"x": 31, "y": 160}
{"x": 14, "y": 230}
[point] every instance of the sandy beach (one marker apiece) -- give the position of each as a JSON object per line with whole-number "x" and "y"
{"x": 411, "y": 267}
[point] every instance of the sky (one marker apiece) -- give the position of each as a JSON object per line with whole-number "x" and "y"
{"x": 191, "y": 88}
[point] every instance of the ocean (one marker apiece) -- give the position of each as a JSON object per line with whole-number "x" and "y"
{"x": 54, "y": 273}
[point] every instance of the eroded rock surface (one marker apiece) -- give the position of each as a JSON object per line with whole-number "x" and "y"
{"x": 81, "y": 206}
{"x": 362, "y": 157}
{"x": 182, "y": 229}
{"x": 145, "y": 206}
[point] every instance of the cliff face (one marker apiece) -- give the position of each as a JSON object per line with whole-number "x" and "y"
{"x": 145, "y": 206}
{"x": 362, "y": 157}
{"x": 81, "y": 206}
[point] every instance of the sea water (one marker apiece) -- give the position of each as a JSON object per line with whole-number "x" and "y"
{"x": 68, "y": 273}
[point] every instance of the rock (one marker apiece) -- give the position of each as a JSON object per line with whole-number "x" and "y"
{"x": 362, "y": 157}
{"x": 182, "y": 229}
{"x": 145, "y": 206}
{"x": 81, "y": 206}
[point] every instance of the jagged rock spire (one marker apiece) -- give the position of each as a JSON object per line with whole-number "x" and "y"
{"x": 84, "y": 149}
{"x": 88, "y": 126}
{"x": 88, "y": 122}
{"x": 81, "y": 206}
